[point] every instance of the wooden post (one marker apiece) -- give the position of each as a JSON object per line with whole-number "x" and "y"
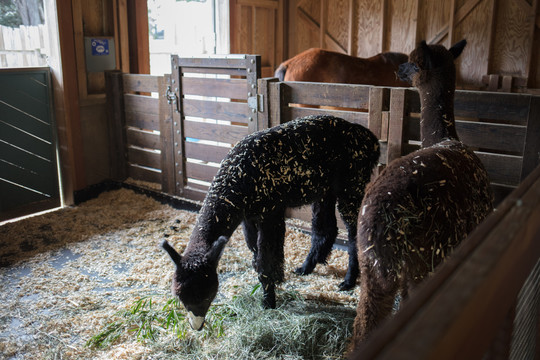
{"x": 531, "y": 151}
{"x": 265, "y": 116}
{"x": 178, "y": 127}
{"x": 395, "y": 127}
{"x": 253, "y": 68}
{"x": 168, "y": 178}
{"x": 378, "y": 102}
{"x": 114, "y": 86}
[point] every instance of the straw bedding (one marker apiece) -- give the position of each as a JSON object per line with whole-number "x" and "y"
{"x": 65, "y": 275}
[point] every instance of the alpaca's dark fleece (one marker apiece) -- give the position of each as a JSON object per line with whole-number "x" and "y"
{"x": 423, "y": 204}
{"x": 317, "y": 160}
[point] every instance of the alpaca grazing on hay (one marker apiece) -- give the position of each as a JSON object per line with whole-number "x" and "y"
{"x": 318, "y": 160}
{"x": 423, "y": 204}
{"x": 318, "y": 65}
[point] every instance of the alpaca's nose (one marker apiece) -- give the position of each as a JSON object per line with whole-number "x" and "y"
{"x": 406, "y": 71}
{"x": 196, "y": 322}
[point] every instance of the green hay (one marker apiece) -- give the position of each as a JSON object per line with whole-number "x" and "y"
{"x": 237, "y": 329}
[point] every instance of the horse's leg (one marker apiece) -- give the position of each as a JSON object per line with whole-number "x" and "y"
{"x": 250, "y": 234}
{"x": 270, "y": 255}
{"x": 323, "y": 234}
{"x": 348, "y": 208}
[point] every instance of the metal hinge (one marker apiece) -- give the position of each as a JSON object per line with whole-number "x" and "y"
{"x": 256, "y": 102}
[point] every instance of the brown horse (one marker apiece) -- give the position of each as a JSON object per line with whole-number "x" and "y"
{"x": 318, "y": 65}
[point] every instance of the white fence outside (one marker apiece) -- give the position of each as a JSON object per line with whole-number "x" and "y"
{"x": 23, "y": 46}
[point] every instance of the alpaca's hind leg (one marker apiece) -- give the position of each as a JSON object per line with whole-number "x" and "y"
{"x": 250, "y": 234}
{"x": 348, "y": 208}
{"x": 270, "y": 255}
{"x": 323, "y": 234}
{"x": 378, "y": 289}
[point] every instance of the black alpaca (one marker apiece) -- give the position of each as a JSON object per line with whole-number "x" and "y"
{"x": 423, "y": 204}
{"x": 313, "y": 160}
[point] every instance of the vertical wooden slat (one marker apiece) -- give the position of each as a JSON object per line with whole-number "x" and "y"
{"x": 275, "y": 95}
{"x": 395, "y": 128}
{"x": 265, "y": 117}
{"x": 351, "y": 29}
{"x": 451, "y": 25}
{"x": 78, "y": 33}
{"x": 492, "y": 23}
{"x": 253, "y": 66}
{"x": 139, "y": 43}
{"x": 533, "y": 49}
{"x": 384, "y": 32}
{"x": 378, "y": 102}
{"x": 117, "y": 135}
{"x": 531, "y": 151}
{"x": 123, "y": 37}
{"x": 178, "y": 131}
{"x": 322, "y": 33}
{"x": 166, "y": 137}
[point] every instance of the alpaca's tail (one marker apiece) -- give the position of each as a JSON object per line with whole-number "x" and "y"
{"x": 280, "y": 72}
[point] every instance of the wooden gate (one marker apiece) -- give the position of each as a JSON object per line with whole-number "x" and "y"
{"x": 214, "y": 104}
{"x": 28, "y": 168}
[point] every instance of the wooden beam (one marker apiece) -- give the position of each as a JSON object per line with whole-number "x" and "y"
{"x": 66, "y": 101}
{"x": 139, "y": 42}
{"x": 121, "y": 34}
{"x": 322, "y": 29}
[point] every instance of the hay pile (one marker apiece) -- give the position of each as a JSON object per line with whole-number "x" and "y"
{"x": 66, "y": 275}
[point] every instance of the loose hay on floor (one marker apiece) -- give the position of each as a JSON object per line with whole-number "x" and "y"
{"x": 66, "y": 275}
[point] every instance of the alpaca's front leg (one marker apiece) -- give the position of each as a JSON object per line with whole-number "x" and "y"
{"x": 270, "y": 255}
{"x": 269, "y": 293}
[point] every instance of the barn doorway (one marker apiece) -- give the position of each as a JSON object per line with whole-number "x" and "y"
{"x": 186, "y": 28}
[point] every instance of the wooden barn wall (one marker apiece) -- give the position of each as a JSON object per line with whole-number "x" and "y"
{"x": 503, "y": 35}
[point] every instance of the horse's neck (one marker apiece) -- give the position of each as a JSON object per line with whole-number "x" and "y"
{"x": 437, "y": 114}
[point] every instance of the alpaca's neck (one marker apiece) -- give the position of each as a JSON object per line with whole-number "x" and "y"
{"x": 217, "y": 217}
{"x": 437, "y": 117}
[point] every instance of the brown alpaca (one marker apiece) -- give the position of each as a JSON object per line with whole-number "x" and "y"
{"x": 318, "y": 65}
{"x": 423, "y": 204}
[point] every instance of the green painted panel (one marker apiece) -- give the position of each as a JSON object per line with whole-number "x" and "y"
{"x": 28, "y": 170}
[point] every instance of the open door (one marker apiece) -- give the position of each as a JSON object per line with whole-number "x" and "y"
{"x": 28, "y": 153}
{"x": 257, "y": 27}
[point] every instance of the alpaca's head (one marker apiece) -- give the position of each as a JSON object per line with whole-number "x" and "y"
{"x": 428, "y": 62}
{"x": 195, "y": 281}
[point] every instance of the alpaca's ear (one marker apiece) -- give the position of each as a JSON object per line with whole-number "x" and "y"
{"x": 175, "y": 256}
{"x": 217, "y": 249}
{"x": 426, "y": 56}
{"x": 457, "y": 48}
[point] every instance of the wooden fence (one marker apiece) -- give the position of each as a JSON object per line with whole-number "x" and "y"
{"x": 23, "y": 46}
{"x": 179, "y": 138}
{"x": 484, "y": 300}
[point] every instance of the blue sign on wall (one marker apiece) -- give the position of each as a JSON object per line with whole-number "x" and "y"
{"x": 100, "y": 47}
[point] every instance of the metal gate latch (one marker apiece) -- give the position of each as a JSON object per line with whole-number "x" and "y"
{"x": 171, "y": 98}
